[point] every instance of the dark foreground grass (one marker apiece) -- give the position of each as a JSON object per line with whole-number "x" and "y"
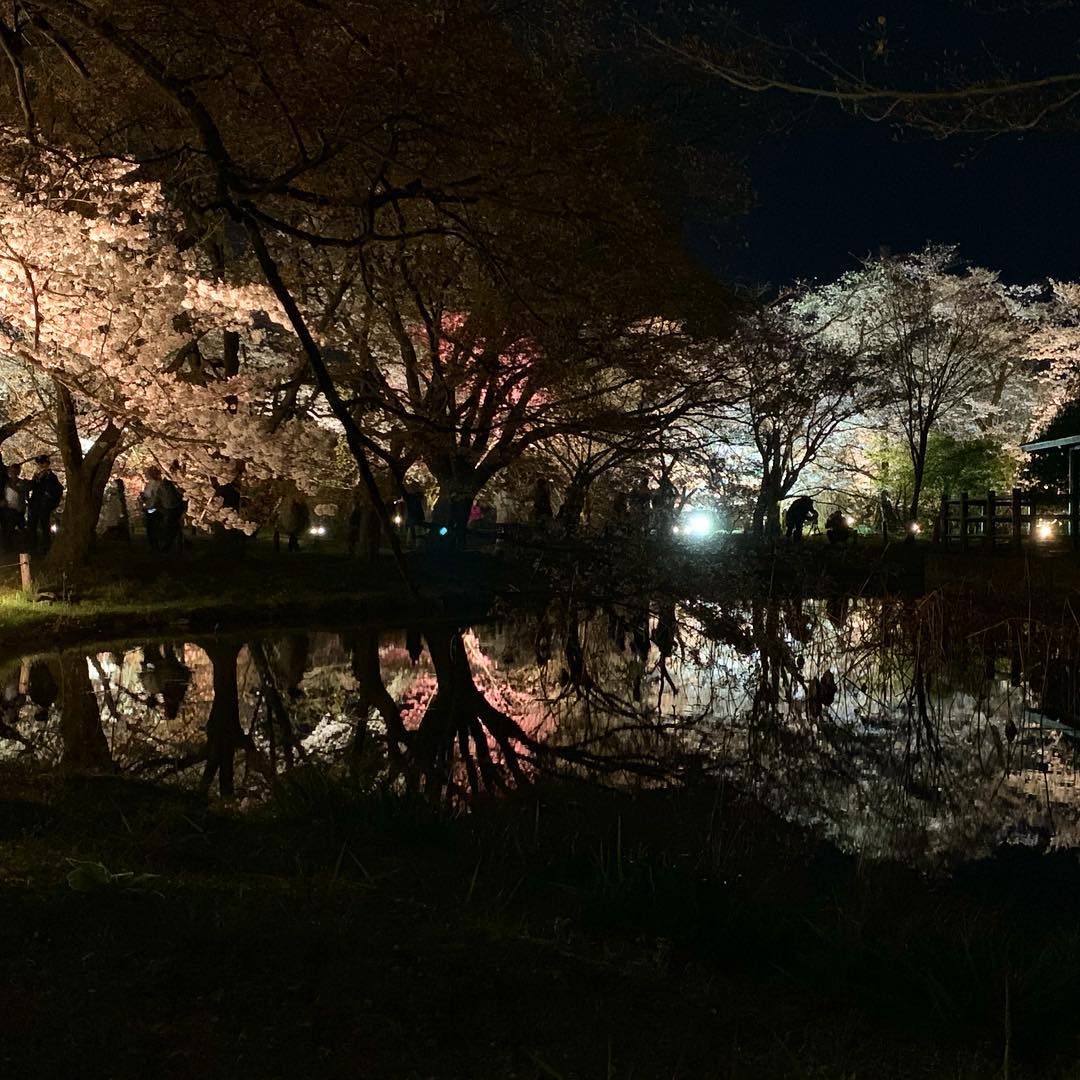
{"x": 569, "y": 933}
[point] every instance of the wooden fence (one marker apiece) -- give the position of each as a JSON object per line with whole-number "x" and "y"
{"x": 1010, "y": 520}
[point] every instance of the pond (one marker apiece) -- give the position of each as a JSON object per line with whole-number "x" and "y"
{"x": 923, "y": 730}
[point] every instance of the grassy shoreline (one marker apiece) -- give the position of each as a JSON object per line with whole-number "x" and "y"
{"x": 202, "y": 594}
{"x": 129, "y": 594}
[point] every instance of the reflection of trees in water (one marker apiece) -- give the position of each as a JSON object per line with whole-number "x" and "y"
{"x": 895, "y": 727}
{"x": 371, "y": 696}
{"x": 885, "y": 723}
{"x": 84, "y": 742}
{"x": 459, "y": 722}
{"x": 224, "y": 734}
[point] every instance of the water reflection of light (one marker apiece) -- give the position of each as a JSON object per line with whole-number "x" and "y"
{"x": 739, "y": 691}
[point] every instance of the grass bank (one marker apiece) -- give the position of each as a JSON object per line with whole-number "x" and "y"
{"x": 128, "y": 593}
{"x": 561, "y": 933}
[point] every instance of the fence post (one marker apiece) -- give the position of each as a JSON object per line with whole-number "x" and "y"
{"x": 943, "y": 519}
{"x": 963, "y": 519}
{"x": 1016, "y": 510}
{"x": 990, "y": 519}
{"x": 24, "y": 572}
{"x": 1074, "y": 498}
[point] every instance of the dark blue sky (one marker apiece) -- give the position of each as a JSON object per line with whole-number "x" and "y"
{"x": 829, "y": 187}
{"x": 825, "y": 198}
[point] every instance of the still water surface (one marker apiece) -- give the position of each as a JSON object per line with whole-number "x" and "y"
{"x": 908, "y": 730}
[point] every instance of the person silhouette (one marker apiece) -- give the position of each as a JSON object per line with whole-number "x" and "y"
{"x": 799, "y": 513}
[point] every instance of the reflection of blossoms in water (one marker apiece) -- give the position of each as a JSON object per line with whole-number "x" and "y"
{"x": 860, "y": 723}
{"x": 330, "y": 740}
{"x": 525, "y": 708}
{"x": 416, "y": 695}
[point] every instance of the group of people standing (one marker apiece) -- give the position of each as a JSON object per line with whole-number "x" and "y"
{"x": 27, "y": 506}
{"x": 163, "y": 508}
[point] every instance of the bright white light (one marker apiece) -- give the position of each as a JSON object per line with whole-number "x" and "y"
{"x": 676, "y": 530}
{"x": 916, "y": 527}
{"x": 397, "y": 519}
{"x": 1044, "y": 530}
{"x": 849, "y": 521}
{"x": 698, "y": 524}
{"x": 54, "y": 528}
{"x": 317, "y": 530}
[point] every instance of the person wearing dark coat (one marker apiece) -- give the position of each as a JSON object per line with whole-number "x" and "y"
{"x": 800, "y": 513}
{"x": 43, "y": 497}
{"x": 837, "y": 528}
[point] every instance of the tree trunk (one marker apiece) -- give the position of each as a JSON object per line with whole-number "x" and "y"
{"x": 918, "y": 467}
{"x": 85, "y": 478}
{"x": 767, "y": 509}
{"x": 370, "y": 535}
{"x": 85, "y": 746}
{"x": 82, "y": 507}
{"x": 368, "y": 527}
{"x": 573, "y": 505}
{"x": 454, "y": 503}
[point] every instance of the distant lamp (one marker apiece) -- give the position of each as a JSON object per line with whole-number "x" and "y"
{"x": 849, "y": 521}
{"x": 700, "y": 524}
{"x": 443, "y": 530}
{"x": 1044, "y": 530}
{"x": 397, "y": 519}
{"x": 916, "y": 528}
{"x": 695, "y": 525}
{"x": 54, "y": 528}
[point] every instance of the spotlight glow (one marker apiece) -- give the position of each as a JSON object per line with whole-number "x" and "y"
{"x": 696, "y": 524}
{"x": 700, "y": 524}
{"x": 1044, "y": 530}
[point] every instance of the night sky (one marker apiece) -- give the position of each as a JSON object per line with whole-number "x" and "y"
{"x": 829, "y": 188}
{"x": 826, "y": 198}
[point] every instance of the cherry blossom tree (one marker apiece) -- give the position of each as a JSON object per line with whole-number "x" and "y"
{"x": 306, "y": 144}
{"x": 947, "y": 341}
{"x": 793, "y": 384}
{"x": 104, "y": 315}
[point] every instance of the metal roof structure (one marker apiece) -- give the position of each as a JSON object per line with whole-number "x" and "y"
{"x": 1051, "y": 444}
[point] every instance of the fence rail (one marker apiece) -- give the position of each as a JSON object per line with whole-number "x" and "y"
{"x": 1012, "y": 519}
